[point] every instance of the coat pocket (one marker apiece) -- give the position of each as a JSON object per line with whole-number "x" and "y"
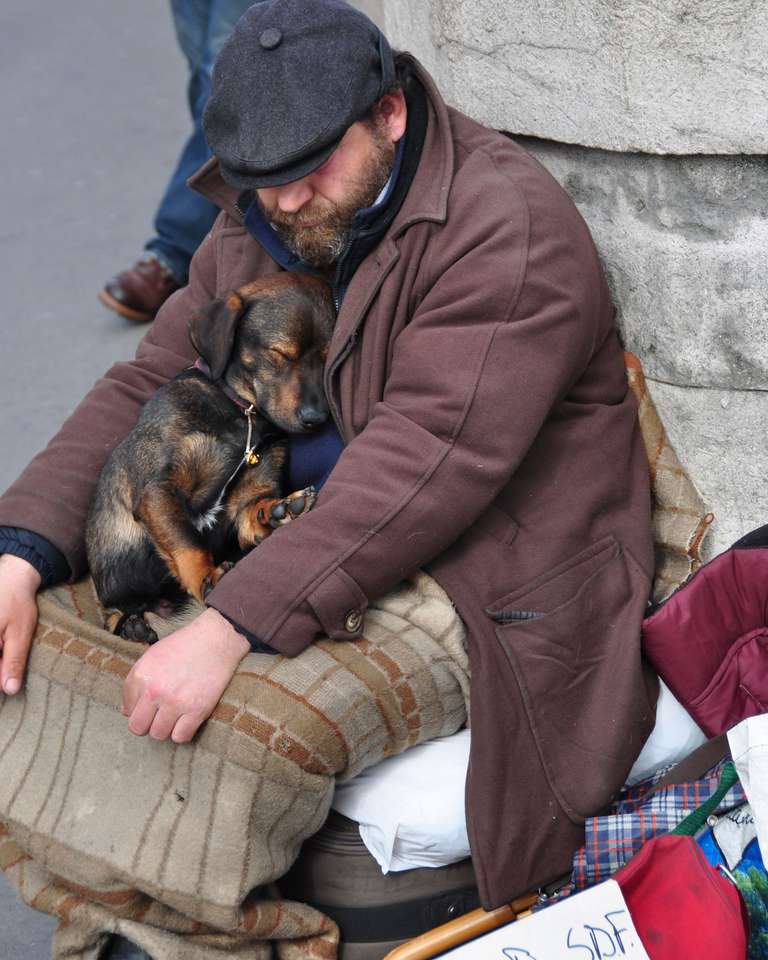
{"x": 572, "y": 637}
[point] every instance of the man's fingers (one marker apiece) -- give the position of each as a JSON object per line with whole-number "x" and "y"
{"x": 15, "y": 652}
{"x": 175, "y": 685}
{"x": 186, "y": 727}
{"x": 132, "y": 690}
{"x": 163, "y": 723}
{"x": 142, "y": 717}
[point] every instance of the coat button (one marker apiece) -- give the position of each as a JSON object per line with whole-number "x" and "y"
{"x": 353, "y": 621}
{"x": 270, "y": 38}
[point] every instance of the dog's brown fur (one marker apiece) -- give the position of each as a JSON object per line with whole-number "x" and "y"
{"x": 165, "y": 522}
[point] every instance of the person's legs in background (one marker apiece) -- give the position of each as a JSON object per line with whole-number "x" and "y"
{"x": 183, "y": 217}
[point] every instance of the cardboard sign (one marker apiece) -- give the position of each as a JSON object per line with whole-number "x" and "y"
{"x": 593, "y": 925}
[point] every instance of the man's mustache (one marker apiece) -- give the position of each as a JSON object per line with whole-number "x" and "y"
{"x": 306, "y": 217}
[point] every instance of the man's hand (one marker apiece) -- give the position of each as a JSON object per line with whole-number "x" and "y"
{"x": 19, "y": 582}
{"x": 177, "y": 683}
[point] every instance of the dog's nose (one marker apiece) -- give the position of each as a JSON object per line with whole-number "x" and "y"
{"x": 311, "y": 417}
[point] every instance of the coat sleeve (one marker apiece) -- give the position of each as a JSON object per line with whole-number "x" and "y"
{"x": 506, "y": 323}
{"x": 52, "y": 495}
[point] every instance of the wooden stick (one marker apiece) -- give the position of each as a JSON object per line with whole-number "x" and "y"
{"x": 462, "y": 929}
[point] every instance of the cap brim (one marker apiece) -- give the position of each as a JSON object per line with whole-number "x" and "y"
{"x": 244, "y": 176}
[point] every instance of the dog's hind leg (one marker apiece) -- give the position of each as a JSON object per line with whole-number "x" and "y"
{"x": 166, "y": 518}
{"x": 127, "y": 618}
{"x": 133, "y": 626}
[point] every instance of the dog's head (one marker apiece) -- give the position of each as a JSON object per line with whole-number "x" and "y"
{"x": 268, "y": 341}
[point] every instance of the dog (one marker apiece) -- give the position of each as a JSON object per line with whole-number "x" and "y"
{"x": 198, "y": 481}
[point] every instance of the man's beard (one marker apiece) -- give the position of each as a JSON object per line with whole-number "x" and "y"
{"x": 318, "y": 232}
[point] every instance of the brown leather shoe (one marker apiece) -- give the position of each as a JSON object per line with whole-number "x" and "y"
{"x": 139, "y": 292}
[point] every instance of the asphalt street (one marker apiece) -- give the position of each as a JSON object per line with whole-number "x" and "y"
{"x": 92, "y": 116}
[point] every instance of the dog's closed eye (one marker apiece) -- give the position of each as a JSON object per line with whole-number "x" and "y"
{"x": 280, "y": 357}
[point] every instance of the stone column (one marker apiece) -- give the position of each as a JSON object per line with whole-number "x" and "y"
{"x": 653, "y": 115}
{"x": 371, "y": 8}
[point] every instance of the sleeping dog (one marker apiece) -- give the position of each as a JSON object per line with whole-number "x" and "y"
{"x": 197, "y": 482}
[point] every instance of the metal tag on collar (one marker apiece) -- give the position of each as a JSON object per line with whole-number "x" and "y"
{"x": 250, "y": 456}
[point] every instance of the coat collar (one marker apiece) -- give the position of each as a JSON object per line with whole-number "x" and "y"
{"x": 428, "y": 196}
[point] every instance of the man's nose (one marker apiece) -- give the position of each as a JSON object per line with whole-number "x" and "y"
{"x": 293, "y": 196}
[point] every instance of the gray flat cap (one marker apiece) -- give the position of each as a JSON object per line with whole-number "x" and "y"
{"x": 289, "y": 82}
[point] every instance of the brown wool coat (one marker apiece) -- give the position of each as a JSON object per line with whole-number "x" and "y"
{"x": 477, "y": 378}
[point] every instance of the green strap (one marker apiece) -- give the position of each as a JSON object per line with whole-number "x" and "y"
{"x": 696, "y": 820}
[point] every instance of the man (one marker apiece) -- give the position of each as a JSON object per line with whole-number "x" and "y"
{"x": 477, "y": 389}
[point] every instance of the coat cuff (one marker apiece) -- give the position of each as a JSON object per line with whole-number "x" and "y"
{"x": 257, "y": 646}
{"x": 339, "y": 605}
{"x": 334, "y": 609}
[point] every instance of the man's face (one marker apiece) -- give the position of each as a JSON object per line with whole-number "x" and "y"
{"x": 313, "y": 215}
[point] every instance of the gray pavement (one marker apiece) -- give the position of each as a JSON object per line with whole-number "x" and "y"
{"x": 92, "y": 114}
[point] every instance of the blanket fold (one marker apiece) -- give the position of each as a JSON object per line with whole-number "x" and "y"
{"x": 174, "y": 846}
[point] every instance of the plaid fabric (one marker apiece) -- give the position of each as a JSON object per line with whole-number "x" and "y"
{"x": 636, "y": 816}
{"x": 680, "y": 517}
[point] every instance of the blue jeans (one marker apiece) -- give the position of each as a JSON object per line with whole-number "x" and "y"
{"x": 184, "y": 217}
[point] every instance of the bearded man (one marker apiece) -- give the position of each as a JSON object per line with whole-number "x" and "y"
{"x": 481, "y": 428}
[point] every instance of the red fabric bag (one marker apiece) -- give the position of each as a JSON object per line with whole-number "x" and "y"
{"x": 709, "y": 640}
{"x": 681, "y": 906}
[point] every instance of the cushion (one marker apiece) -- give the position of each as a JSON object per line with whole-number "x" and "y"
{"x": 410, "y": 808}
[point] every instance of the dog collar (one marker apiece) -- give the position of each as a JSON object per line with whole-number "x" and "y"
{"x": 251, "y": 455}
{"x": 228, "y": 392}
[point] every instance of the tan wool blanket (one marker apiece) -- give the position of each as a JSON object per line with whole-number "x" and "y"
{"x": 174, "y": 846}
{"x": 680, "y": 518}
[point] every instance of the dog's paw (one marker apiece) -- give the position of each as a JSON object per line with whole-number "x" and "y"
{"x": 135, "y": 627}
{"x": 289, "y": 508}
{"x": 214, "y": 576}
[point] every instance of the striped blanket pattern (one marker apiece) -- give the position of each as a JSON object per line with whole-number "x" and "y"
{"x": 174, "y": 846}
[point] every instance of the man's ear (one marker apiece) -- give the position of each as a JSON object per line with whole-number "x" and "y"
{"x": 393, "y": 112}
{"x": 212, "y": 331}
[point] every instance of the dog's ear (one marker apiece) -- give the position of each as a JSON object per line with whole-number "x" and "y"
{"x": 212, "y": 331}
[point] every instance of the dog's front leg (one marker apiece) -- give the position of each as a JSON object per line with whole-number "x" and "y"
{"x": 163, "y": 512}
{"x": 276, "y": 513}
{"x": 243, "y": 512}
{"x": 257, "y": 518}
